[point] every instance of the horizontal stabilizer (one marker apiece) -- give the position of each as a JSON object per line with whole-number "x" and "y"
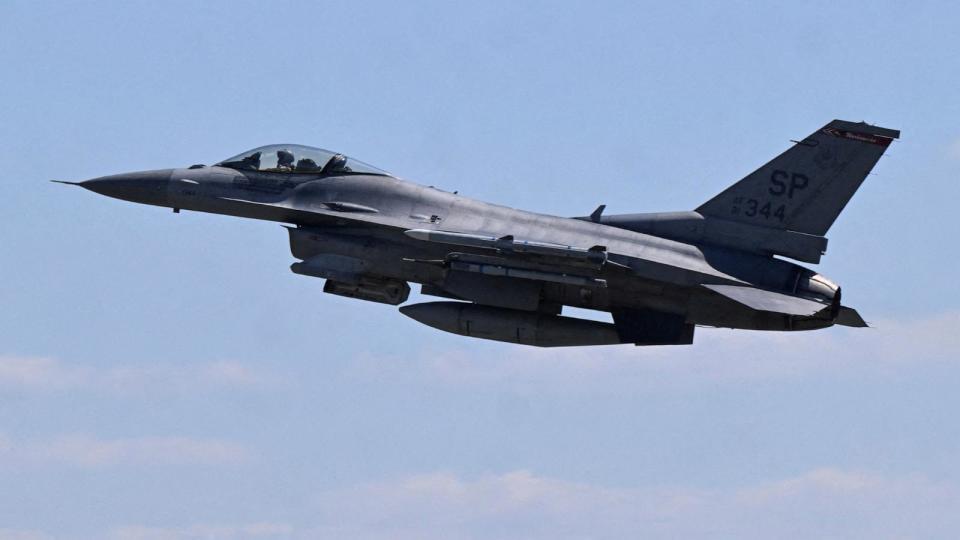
{"x": 850, "y": 317}
{"x": 762, "y": 300}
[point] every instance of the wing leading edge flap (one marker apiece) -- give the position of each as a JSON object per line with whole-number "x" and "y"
{"x": 762, "y": 300}
{"x": 336, "y": 211}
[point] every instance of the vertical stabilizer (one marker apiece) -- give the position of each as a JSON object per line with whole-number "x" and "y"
{"x": 805, "y": 188}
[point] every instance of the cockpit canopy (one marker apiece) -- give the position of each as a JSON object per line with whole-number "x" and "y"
{"x": 296, "y": 158}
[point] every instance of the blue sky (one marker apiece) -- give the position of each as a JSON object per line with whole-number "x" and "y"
{"x": 167, "y": 376}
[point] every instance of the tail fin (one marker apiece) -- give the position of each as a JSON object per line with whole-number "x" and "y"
{"x": 805, "y": 188}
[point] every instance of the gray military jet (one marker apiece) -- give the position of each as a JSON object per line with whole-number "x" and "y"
{"x": 505, "y": 274}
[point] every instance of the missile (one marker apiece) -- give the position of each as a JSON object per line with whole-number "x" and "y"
{"x": 595, "y": 255}
{"x": 511, "y": 325}
{"x": 483, "y": 265}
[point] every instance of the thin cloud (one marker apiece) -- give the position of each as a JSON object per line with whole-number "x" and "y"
{"x": 817, "y": 504}
{"x": 820, "y": 503}
{"x": 90, "y": 452}
{"x": 953, "y": 150}
{"x": 20, "y": 534}
{"x": 39, "y": 373}
{"x": 717, "y": 357}
{"x": 207, "y": 532}
{"x": 50, "y": 374}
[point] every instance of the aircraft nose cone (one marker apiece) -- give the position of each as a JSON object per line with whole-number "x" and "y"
{"x": 146, "y": 187}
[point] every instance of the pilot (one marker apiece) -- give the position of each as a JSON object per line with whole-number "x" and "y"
{"x": 337, "y": 163}
{"x": 307, "y": 164}
{"x": 251, "y": 162}
{"x": 284, "y": 160}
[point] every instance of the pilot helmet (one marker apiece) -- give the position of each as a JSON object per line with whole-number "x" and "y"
{"x": 284, "y": 159}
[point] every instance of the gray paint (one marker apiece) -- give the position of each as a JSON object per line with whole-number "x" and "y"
{"x": 370, "y": 234}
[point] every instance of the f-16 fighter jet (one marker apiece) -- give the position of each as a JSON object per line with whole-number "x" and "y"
{"x": 506, "y": 274}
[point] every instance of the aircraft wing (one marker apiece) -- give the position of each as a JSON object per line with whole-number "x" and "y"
{"x": 641, "y": 264}
{"x": 762, "y": 300}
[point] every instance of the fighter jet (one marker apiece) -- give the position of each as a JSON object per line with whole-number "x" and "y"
{"x": 505, "y": 274}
